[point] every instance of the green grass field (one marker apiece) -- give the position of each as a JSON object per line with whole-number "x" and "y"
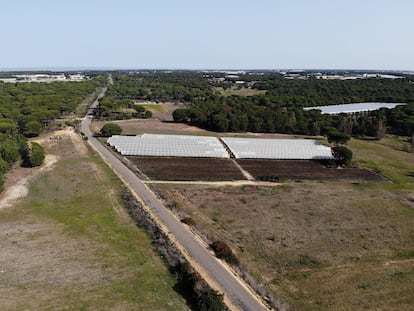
{"x": 383, "y": 157}
{"x": 89, "y": 255}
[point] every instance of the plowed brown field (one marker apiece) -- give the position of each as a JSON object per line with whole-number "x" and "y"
{"x": 302, "y": 169}
{"x": 187, "y": 168}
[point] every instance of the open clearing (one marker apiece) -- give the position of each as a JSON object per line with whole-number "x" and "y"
{"x": 69, "y": 245}
{"x": 155, "y": 125}
{"x": 239, "y": 91}
{"x": 319, "y": 245}
{"x": 162, "y": 111}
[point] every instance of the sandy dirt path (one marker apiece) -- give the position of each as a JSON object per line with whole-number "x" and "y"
{"x": 18, "y": 189}
{"x": 18, "y": 178}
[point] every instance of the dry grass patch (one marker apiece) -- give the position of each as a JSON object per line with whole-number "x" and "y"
{"x": 299, "y": 237}
{"x": 239, "y": 91}
{"x": 153, "y": 126}
{"x": 394, "y": 164}
{"x": 68, "y": 245}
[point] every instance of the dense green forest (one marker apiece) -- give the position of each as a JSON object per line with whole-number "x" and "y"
{"x": 320, "y": 92}
{"x": 26, "y": 110}
{"x": 119, "y": 102}
{"x": 279, "y": 109}
{"x": 184, "y": 86}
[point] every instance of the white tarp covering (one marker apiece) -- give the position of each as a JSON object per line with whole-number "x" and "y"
{"x": 353, "y": 108}
{"x": 286, "y": 149}
{"x": 169, "y": 146}
{"x": 212, "y": 147}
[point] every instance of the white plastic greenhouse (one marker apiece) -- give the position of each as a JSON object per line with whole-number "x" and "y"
{"x": 282, "y": 149}
{"x": 353, "y": 108}
{"x": 169, "y": 146}
{"x": 211, "y": 147}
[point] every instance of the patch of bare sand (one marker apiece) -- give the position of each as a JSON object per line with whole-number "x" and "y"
{"x": 19, "y": 179}
{"x": 409, "y": 199}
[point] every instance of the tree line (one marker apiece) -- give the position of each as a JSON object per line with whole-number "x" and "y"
{"x": 278, "y": 110}
{"x": 318, "y": 92}
{"x": 26, "y": 110}
{"x": 182, "y": 86}
{"x": 259, "y": 114}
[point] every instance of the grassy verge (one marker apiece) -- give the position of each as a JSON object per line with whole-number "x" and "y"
{"x": 394, "y": 164}
{"x": 92, "y": 255}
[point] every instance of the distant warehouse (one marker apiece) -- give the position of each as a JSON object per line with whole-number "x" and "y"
{"x": 353, "y": 108}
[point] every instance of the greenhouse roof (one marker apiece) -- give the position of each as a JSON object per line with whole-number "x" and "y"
{"x": 287, "y": 149}
{"x": 169, "y": 146}
{"x": 353, "y": 108}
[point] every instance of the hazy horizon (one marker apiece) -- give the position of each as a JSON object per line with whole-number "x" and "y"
{"x": 207, "y": 35}
{"x": 68, "y": 69}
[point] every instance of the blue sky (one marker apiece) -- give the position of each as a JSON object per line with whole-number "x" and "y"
{"x": 208, "y": 34}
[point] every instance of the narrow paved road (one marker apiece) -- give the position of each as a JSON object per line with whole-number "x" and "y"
{"x": 233, "y": 289}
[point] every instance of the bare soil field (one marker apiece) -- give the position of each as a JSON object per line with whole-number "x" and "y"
{"x": 318, "y": 245}
{"x": 161, "y": 123}
{"x": 303, "y": 169}
{"x": 70, "y": 244}
{"x": 187, "y": 168}
{"x": 153, "y": 126}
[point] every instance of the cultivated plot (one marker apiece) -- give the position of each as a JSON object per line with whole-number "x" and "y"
{"x": 305, "y": 169}
{"x": 190, "y": 169}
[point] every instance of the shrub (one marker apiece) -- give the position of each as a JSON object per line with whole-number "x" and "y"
{"x": 343, "y": 155}
{"x": 211, "y": 301}
{"x": 223, "y": 251}
{"x": 337, "y": 137}
{"x": 189, "y": 221}
{"x": 36, "y": 155}
{"x": 32, "y": 128}
{"x": 110, "y": 129}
